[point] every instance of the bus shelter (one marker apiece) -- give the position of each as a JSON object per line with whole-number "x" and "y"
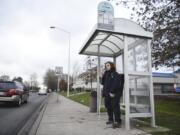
{"x": 133, "y": 43}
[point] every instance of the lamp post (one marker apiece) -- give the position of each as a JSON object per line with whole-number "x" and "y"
{"x": 69, "y": 35}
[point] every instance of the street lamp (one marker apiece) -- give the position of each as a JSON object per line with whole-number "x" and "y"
{"x": 69, "y": 35}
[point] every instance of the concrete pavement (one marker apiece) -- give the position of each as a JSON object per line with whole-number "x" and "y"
{"x": 67, "y": 117}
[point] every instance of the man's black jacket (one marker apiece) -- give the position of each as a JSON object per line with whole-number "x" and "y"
{"x": 112, "y": 83}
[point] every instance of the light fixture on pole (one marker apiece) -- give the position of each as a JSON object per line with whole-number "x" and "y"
{"x": 69, "y": 35}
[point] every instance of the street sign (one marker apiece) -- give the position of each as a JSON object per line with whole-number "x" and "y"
{"x": 59, "y": 70}
{"x": 105, "y": 15}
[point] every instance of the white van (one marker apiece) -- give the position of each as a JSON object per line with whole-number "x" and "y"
{"x": 42, "y": 92}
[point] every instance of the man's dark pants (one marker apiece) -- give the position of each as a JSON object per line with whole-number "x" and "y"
{"x": 113, "y": 108}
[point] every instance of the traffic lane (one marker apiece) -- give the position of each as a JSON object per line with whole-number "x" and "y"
{"x": 6, "y": 108}
{"x": 13, "y": 118}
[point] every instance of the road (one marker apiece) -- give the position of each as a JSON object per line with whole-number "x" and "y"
{"x": 13, "y": 118}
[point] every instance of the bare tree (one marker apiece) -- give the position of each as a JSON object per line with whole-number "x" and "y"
{"x": 33, "y": 81}
{"x": 5, "y": 78}
{"x": 162, "y": 17}
{"x": 18, "y": 79}
{"x": 50, "y": 79}
{"x": 90, "y": 64}
{"x": 76, "y": 71}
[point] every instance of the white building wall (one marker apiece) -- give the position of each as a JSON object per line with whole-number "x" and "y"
{"x": 163, "y": 80}
{"x": 178, "y": 78}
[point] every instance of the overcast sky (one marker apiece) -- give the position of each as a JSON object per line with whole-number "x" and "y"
{"x": 28, "y": 45}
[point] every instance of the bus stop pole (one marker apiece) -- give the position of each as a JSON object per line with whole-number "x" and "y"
{"x": 114, "y": 60}
{"x": 58, "y": 90}
{"x": 126, "y": 84}
{"x": 153, "y": 123}
{"x": 98, "y": 84}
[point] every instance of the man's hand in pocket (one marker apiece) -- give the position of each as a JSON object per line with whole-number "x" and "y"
{"x": 111, "y": 95}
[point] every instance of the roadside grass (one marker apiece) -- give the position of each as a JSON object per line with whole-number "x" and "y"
{"x": 82, "y": 98}
{"x": 167, "y": 112}
{"x": 169, "y": 121}
{"x": 168, "y": 106}
{"x": 168, "y": 115}
{"x": 63, "y": 93}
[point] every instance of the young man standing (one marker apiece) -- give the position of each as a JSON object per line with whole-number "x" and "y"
{"x": 112, "y": 90}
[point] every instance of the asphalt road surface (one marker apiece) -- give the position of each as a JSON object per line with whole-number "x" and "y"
{"x": 13, "y": 118}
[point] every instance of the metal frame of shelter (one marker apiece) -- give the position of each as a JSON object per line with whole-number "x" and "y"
{"x": 133, "y": 43}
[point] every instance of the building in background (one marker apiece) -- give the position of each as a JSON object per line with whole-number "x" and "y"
{"x": 177, "y": 85}
{"x": 164, "y": 83}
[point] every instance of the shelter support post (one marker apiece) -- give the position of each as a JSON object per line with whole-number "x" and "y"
{"x": 135, "y": 64}
{"x": 98, "y": 84}
{"x": 151, "y": 85}
{"x": 114, "y": 60}
{"x": 126, "y": 85}
{"x": 123, "y": 95}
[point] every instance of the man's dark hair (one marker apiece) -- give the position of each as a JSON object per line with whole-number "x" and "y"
{"x": 112, "y": 65}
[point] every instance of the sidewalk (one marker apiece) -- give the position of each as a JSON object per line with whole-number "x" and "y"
{"x": 67, "y": 117}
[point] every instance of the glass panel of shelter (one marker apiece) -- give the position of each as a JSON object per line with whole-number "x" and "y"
{"x": 100, "y": 36}
{"x": 139, "y": 88}
{"x": 118, "y": 41}
{"x": 92, "y": 48}
{"x": 106, "y": 49}
{"x": 138, "y": 56}
{"x": 98, "y": 41}
{"x": 112, "y": 46}
{"x": 139, "y": 85}
{"x": 139, "y": 81}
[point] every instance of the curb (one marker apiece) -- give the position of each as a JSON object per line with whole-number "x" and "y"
{"x": 37, "y": 122}
{"x": 26, "y": 129}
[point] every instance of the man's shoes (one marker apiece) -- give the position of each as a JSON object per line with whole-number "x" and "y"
{"x": 109, "y": 122}
{"x": 116, "y": 124}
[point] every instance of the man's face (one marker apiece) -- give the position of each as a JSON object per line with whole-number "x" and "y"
{"x": 108, "y": 66}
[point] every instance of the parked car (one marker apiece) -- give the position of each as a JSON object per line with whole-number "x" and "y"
{"x": 42, "y": 92}
{"x": 33, "y": 91}
{"x": 12, "y": 91}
